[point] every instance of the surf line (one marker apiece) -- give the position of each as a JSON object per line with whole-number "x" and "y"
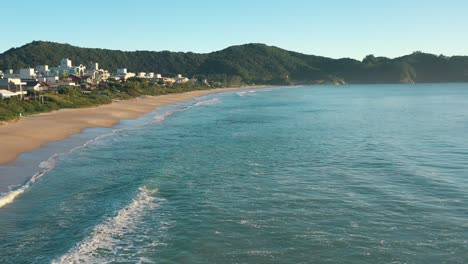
{"x": 50, "y": 163}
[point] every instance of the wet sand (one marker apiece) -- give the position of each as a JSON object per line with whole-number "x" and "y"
{"x": 32, "y": 132}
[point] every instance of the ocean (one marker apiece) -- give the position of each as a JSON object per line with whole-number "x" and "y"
{"x": 316, "y": 174}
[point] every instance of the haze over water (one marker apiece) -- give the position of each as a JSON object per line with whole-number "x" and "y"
{"x": 322, "y": 174}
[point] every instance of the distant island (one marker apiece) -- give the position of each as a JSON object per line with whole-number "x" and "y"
{"x": 252, "y": 64}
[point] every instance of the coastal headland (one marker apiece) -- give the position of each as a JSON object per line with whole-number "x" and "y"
{"x": 32, "y": 132}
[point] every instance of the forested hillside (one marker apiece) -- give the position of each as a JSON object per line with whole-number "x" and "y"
{"x": 251, "y": 63}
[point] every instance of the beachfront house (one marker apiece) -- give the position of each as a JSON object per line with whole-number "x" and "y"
{"x": 11, "y": 84}
{"x": 49, "y": 79}
{"x": 79, "y": 79}
{"x": 123, "y": 75}
{"x": 37, "y": 86}
{"x": 168, "y": 81}
{"x": 181, "y": 79}
{"x": 12, "y": 87}
{"x": 99, "y": 75}
{"x": 5, "y": 94}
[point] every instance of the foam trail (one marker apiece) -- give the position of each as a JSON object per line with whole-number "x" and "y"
{"x": 208, "y": 102}
{"x": 163, "y": 117}
{"x": 108, "y": 237}
{"x": 10, "y": 196}
{"x": 46, "y": 167}
{"x": 248, "y": 93}
{"x": 265, "y": 90}
{"x": 50, "y": 163}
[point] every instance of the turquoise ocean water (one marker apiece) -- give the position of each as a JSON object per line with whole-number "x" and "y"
{"x": 323, "y": 174}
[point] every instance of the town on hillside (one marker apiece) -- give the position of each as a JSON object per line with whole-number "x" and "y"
{"x": 43, "y": 79}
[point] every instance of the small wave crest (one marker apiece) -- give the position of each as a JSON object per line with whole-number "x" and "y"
{"x": 16, "y": 191}
{"x": 163, "y": 117}
{"x": 208, "y": 102}
{"x": 49, "y": 164}
{"x": 11, "y": 196}
{"x": 246, "y": 93}
{"x": 113, "y": 235}
{"x": 45, "y": 167}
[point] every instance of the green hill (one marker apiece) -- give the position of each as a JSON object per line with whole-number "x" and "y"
{"x": 251, "y": 63}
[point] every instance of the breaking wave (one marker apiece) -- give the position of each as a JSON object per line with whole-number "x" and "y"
{"x": 49, "y": 164}
{"x": 208, "y": 102}
{"x": 45, "y": 167}
{"x": 246, "y": 93}
{"x": 113, "y": 240}
{"x": 163, "y": 117}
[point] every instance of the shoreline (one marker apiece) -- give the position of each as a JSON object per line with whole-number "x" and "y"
{"x": 34, "y": 131}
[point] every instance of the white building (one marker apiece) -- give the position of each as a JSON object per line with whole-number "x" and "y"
{"x": 80, "y": 70}
{"x": 65, "y": 64}
{"x": 128, "y": 75}
{"x": 150, "y": 75}
{"x": 93, "y": 66}
{"x": 168, "y": 81}
{"x": 11, "y": 87}
{"x": 141, "y": 74}
{"x": 10, "y": 74}
{"x": 27, "y": 73}
{"x": 123, "y": 74}
{"x": 49, "y": 79}
{"x": 181, "y": 79}
{"x": 4, "y": 94}
{"x": 37, "y": 86}
{"x": 11, "y": 83}
{"x": 123, "y": 77}
{"x": 65, "y": 67}
{"x": 122, "y": 71}
{"x": 99, "y": 75}
{"x": 43, "y": 70}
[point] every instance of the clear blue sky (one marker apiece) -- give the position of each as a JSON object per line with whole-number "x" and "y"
{"x": 334, "y": 28}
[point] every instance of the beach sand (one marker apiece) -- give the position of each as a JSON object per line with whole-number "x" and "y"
{"x": 32, "y": 132}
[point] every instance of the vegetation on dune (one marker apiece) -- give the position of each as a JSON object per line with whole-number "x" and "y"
{"x": 73, "y": 97}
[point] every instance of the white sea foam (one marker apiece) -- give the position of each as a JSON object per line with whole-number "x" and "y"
{"x": 162, "y": 117}
{"x": 14, "y": 193}
{"x": 108, "y": 236}
{"x": 208, "y": 102}
{"x": 249, "y": 223}
{"x": 264, "y": 253}
{"x": 246, "y": 93}
{"x": 50, "y": 163}
{"x": 11, "y": 196}
{"x": 45, "y": 167}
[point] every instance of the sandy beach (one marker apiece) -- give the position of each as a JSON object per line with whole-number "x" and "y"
{"x": 32, "y": 132}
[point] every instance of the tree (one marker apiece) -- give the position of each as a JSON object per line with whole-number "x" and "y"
{"x": 369, "y": 59}
{"x": 63, "y": 76}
